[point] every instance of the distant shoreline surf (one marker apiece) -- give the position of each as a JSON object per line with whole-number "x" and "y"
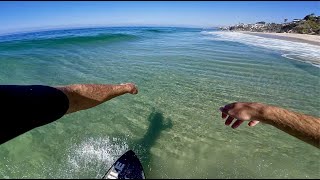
{"x": 300, "y": 47}
{"x": 303, "y": 38}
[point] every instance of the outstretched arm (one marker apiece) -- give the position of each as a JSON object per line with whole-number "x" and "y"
{"x": 29, "y": 106}
{"x": 85, "y": 96}
{"x": 303, "y": 127}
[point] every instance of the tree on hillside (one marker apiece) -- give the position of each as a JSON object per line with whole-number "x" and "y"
{"x": 285, "y": 20}
{"x": 310, "y": 17}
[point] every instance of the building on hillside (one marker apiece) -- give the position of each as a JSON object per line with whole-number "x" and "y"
{"x": 261, "y": 22}
{"x": 296, "y": 20}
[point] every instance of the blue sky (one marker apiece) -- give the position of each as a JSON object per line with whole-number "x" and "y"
{"x": 24, "y": 16}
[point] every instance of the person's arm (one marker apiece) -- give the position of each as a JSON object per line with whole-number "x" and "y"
{"x": 85, "y": 96}
{"x": 25, "y": 107}
{"x": 303, "y": 127}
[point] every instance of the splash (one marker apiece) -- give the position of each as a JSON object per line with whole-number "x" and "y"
{"x": 92, "y": 157}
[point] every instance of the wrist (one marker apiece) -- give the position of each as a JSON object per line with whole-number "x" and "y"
{"x": 264, "y": 113}
{"x": 261, "y": 111}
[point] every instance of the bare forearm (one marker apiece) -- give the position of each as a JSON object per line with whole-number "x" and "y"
{"x": 85, "y": 96}
{"x": 303, "y": 127}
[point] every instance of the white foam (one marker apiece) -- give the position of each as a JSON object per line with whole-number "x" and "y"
{"x": 316, "y": 65}
{"x": 291, "y": 50}
{"x": 94, "y": 156}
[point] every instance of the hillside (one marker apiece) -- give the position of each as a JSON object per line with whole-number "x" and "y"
{"x": 310, "y": 24}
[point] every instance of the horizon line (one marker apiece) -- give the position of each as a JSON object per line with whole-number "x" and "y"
{"x": 72, "y": 27}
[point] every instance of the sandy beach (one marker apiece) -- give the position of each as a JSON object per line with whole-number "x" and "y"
{"x": 305, "y": 38}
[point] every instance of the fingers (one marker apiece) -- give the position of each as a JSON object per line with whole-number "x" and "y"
{"x": 130, "y": 87}
{"x": 253, "y": 123}
{"x": 229, "y": 106}
{"x": 223, "y": 115}
{"x": 229, "y": 120}
{"x": 227, "y": 111}
{"x": 224, "y": 112}
{"x": 134, "y": 90}
{"x": 237, "y": 124}
{"x": 226, "y": 108}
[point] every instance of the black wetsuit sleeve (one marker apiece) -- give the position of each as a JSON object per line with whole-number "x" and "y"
{"x": 23, "y": 108}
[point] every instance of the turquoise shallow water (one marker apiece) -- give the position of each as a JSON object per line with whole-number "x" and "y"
{"x": 173, "y": 124}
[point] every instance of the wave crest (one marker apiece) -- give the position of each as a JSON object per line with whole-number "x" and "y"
{"x": 68, "y": 40}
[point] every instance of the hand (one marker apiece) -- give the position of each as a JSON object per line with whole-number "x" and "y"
{"x": 242, "y": 111}
{"x": 131, "y": 88}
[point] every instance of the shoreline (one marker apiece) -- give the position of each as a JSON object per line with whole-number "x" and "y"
{"x": 302, "y": 38}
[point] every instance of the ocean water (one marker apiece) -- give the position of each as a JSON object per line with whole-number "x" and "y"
{"x": 184, "y": 75}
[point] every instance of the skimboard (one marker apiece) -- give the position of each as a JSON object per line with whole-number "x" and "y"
{"x": 128, "y": 166}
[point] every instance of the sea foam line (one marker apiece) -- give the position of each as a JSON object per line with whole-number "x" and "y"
{"x": 306, "y": 52}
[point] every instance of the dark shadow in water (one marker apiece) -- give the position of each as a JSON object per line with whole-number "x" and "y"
{"x": 143, "y": 146}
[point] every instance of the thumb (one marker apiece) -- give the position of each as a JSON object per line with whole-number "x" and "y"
{"x": 253, "y": 123}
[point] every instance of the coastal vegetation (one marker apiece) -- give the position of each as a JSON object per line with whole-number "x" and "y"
{"x": 310, "y": 24}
